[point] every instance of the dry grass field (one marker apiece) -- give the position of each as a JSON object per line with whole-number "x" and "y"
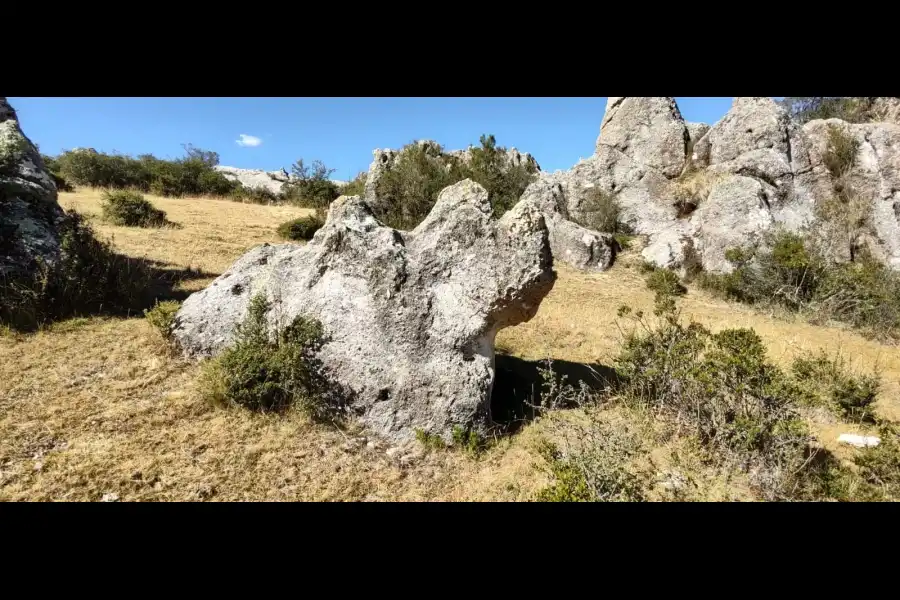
{"x": 98, "y": 408}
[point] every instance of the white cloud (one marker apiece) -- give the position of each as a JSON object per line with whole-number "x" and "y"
{"x": 248, "y": 141}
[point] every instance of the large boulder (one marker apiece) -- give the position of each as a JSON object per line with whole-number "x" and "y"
{"x": 411, "y": 316}
{"x": 650, "y": 131}
{"x": 30, "y": 216}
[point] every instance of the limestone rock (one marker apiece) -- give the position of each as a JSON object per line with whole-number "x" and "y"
{"x": 273, "y": 181}
{"x": 650, "y": 131}
{"x": 411, "y": 316}
{"x": 696, "y": 131}
{"x": 30, "y": 216}
{"x": 875, "y": 175}
{"x": 570, "y": 243}
{"x": 735, "y": 214}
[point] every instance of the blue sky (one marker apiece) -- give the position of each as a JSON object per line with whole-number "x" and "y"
{"x": 342, "y": 132}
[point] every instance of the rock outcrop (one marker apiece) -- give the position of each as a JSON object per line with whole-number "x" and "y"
{"x": 650, "y": 131}
{"x": 411, "y": 316}
{"x": 272, "y": 181}
{"x": 759, "y": 171}
{"x": 30, "y": 216}
{"x": 571, "y": 243}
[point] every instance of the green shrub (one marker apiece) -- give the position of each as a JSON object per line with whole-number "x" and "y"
{"x": 879, "y": 467}
{"x": 864, "y": 294}
{"x": 850, "y": 109}
{"x": 665, "y": 282}
{"x": 268, "y": 372}
{"x": 257, "y": 195}
{"x": 357, "y": 187}
{"x": 430, "y": 440}
{"x": 840, "y": 154}
{"x": 303, "y": 228}
{"x": 193, "y": 174}
{"x": 89, "y": 278}
{"x": 828, "y": 382}
{"x": 131, "y": 209}
{"x": 596, "y": 469}
{"x": 600, "y": 211}
{"x": 410, "y": 188}
{"x": 312, "y": 187}
{"x": 721, "y": 387}
{"x": 162, "y": 316}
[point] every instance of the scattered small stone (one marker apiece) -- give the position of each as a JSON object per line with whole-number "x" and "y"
{"x": 38, "y": 466}
{"x": 392, "y": 452}
{"x": 859, "y": 441}
{"x": 370, "y": 446}
{"x": 110, "y": 497}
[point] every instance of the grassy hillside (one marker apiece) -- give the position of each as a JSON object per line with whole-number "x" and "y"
{"x": 99, "y": 407}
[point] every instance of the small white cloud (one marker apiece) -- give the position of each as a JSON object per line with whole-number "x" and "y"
{"x": 248, "y": 141}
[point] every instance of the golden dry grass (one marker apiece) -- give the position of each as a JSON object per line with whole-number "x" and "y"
{"x": 90, "y": 407}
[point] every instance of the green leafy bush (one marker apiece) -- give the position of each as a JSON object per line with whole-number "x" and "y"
{"x": 841, "y": 151}
{"x": 357, "y": 187}
{"x": 269, "y": 371}
{"x": 828, "y": 382}
{"x": 312, "y": 187}
{"x": 600, "y": 211}
{"x": 864, "y": 294}
{"x": 303, "y": 228}
{"x": 722, "y": 387}
{"x": 665, "y": 282}
{"x": 192, "y": 174}
{"x": 131, "y": 209}
{"x": 162, "y": 316}
{"x": 410, "y": 188}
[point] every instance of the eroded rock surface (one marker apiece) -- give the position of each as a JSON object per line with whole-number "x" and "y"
{"x": 411, "y": 316}
{"x": 30, "y": 215}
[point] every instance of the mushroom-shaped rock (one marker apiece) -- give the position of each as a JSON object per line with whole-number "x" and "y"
{"x": 410, "y": 317}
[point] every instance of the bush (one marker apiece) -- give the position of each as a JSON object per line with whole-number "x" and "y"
{"x": 191, "y": 175}
{"x": 721, "y": 386}
{"x": 256, "y": 195}
{"x": 269, "y": 372}
{"x": 312, "y": 187}
{"x": 840, "y": 154}
{"x": 303, "y": 228}
{"x": 88, "y": 278}
{"x": 131, "y": 209}
{"x": 410, "y": 188}
{"x": 828, "y": 382}
{"x": 864, "y": 294}
{"x": 594, "y": 470}
{"x": 600, "y": 211}
{"x": 665, "y": 282}
{"x": 162, "y": 316}
{"x": 357, "y": 187}
{"x": 850, "y": 109}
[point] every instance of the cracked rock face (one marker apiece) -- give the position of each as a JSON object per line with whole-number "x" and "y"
{"x": 650, "y": 131}
{"x": 411, "y": 316}
{"x": 29, "y": 213}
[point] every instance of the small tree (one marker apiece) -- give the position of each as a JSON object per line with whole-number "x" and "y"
{"x": 312, "y": 187}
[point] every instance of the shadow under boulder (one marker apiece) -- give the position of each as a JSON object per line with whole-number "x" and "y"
{"x": 523, "y": 387}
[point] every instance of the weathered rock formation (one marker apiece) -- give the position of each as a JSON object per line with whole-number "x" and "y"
{"x": 30, "y": 215}
{"x": 273, "y": 181}
{"x": 411, "y": 316}
{"x": 570, "y": 243}
{"x": 752, "y": 171}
